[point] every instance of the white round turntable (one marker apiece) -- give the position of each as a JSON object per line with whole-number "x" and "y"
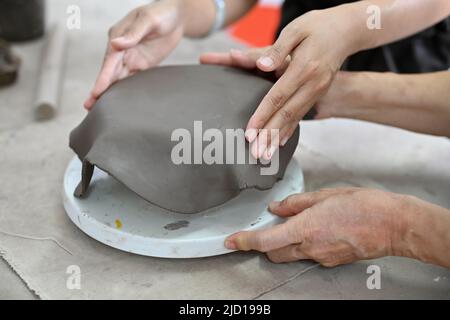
{"x": 117, "y": 217}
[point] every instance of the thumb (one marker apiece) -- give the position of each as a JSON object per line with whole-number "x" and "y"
{"x": 276, "y": 54}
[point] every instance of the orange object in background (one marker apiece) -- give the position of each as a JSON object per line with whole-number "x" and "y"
{"x": 258, "y": 27}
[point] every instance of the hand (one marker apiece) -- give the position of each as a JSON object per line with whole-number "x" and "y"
{"x": 346, "y": 95}
{"x": 247, "y": 59}
{"x": 310, "y": 45}
{"x": 331, "y": 226}
{"x": 138, "y": 42}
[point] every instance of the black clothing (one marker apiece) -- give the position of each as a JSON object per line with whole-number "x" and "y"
{"x": 426, "y": 51}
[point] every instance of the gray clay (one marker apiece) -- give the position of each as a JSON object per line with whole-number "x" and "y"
{"x": 128, "y": 135}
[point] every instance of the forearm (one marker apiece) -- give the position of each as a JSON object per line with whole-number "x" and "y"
{"x": 199, "y": 15}
{"x": 425, "y": 233}
{"x": 399, "y": 19}
{"x": 418, "y": 103}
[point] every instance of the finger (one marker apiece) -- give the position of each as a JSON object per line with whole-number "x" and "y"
{"x": 234, "y": 58}
{"x": 217, "y": 58}
{"x": 289, "y": 253}
{"x": 292, "y": 111}
{"x": 281, "y": 122}
{"x": 260, "y": 145}
{"x": 109, "y": 73}
{"x": 275, "y": 141}
{"x": 89, "y": 103}
{"x": 299, "y": 202}
{"x": 282, "y": 69}
{"x": 276, "y": 54}
{"x": 290, "y": 132}
{"x": 278, "y": 95}
{"x": 263, "y": 240}
{"x": 244, "y": 59}
{"x": 136, "y": 31}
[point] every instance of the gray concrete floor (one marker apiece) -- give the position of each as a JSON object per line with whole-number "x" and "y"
{"x": 12, "y": 287}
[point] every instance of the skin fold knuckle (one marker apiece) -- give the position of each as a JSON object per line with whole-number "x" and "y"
{"x": 294, "y": 232}
{"x": 276, "y": 52}
{"x": 259, "y": 243}
{"x": 323, "y": 84}
{"x": 312, "y": 68}
{"x": 304, "y": 223}
{"x": 276, "y": 100}
{"x": 287, "y": 115}
{"x": 297, "y": 252}
{"x": 287, "y": 202}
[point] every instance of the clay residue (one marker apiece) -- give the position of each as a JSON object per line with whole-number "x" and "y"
{"x": 176, "y": 225}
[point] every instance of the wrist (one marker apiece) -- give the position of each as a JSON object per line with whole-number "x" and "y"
{"x": 182, "y": 9}
{"x": 195, "y": 26}
{"x": 356, "y": 30}
{"x": 346, "y": 95}
{"x": 362, "y": 95}
{"x": 423, "y": 232}
{"x": 403, "y": 225}
{"x": 351, "y": 29}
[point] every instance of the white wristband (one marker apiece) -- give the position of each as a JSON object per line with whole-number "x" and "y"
{"x": 220, "y": 16}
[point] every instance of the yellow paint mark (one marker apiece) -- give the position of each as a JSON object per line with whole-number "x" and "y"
{"x": 118, "y": 224}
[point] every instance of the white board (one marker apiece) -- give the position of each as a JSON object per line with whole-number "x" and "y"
{"x": 117, "y": 217}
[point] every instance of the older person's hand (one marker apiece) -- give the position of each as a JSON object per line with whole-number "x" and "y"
{"x": 332, "y": 227}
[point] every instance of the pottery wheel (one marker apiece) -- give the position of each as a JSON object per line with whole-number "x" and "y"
{"x": 117, "y": 217}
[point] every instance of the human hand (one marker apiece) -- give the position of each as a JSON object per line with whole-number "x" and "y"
{"x": 247, "y": 59}
{"x": 307, "y": 57}
{"x": 330, "y": 226}
{"x": 138, "y": 42}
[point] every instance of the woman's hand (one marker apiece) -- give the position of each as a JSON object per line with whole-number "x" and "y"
{"x": 138, "y": 42}
{"x": 307, "y": 55}
{"x": 332, "y": 227}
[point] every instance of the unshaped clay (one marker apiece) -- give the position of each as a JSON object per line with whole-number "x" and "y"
{"x": 128, "y": 134}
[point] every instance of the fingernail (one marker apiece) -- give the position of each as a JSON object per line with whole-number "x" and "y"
{"x": 261, "y": 148}
{"x": 229, "y": 244}
{"x": 273, "y": 205}
{"x": 284, "y": 141}
{"x": 266, "y": 62}
{"x": 251, "y": 135}
{"x": 270, "y": 152}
